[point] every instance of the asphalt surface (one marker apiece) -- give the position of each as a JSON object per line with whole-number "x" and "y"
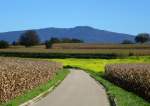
{"x": 77, "y": 89}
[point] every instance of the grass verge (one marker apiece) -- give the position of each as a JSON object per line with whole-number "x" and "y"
{"x": 96, "y": 68}
{"x": 118, "y": 95}
{"x": 60, "y": 75}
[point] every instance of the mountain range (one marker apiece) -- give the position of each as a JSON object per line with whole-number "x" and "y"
{"x": 85, "y": 33}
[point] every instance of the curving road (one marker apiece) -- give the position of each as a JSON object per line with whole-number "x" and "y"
{"x": 78, "y": 89}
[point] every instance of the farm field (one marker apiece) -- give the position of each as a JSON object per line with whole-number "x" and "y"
{"x": 98, "y": 65}
{"x": 96, "y": 68}
{"x": 133, "y": 77}
{"x": 139, "y": 50}
{"x": 23, "y": 79}
{"x": 99, "y": 46}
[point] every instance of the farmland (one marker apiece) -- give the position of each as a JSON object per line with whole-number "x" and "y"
{"x": 99, "y": 46}
{"x": 138, "y": 50}
{"x": 98, "y": 65}
{"x": 96, "y": 68}
{"x": 135, "y": 77}
{"x": 18, "y": 76}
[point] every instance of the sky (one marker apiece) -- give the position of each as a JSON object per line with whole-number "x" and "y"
{"x": 124, "y": 16}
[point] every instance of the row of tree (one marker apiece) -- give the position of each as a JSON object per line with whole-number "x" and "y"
{"x": 140, "y": 38}
{"x": 53, "y": 40}
{"x": 31, "y": 38}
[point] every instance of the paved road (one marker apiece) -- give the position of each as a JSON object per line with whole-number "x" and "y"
{"x": 78, "y": 89}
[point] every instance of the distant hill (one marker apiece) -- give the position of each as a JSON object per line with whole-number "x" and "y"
{"x": 85, "y": 33}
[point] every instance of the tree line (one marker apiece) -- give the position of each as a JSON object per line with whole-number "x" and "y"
{"x": 31, "y": 38}
{"x": 53, "y": 40}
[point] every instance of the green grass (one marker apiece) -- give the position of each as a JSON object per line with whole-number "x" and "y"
{"x": 96, "y": 66}
{"x": 60, "y": 75}
{"x": 123, "y": 97}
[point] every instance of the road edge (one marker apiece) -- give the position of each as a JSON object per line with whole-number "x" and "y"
{"x": 40, "y": 96}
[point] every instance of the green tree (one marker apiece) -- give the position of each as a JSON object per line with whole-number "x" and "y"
{"x": 142, "y": 38}
{"x": 4, "y": 44}
{"x": 29, "y": 38}
{"x": 50, "y": 42}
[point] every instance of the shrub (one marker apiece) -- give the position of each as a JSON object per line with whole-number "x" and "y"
{"x": 14, "y": 43}
{"x": 4, "y": 44}
{"x": 134, "y": 77}
{"x": 127, "y": 42}
{"x": 48, "y": 44}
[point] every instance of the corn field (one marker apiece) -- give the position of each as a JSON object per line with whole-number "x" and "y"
{"x": 98, "y": 46}
{"x": 133, "y": 77}
{"x": 20, "y": 75}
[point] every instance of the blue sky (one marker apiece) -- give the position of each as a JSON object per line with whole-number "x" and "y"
{"x": 126, "y": 16}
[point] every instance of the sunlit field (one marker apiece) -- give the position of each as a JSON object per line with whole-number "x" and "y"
{"x": 98, "y": 65}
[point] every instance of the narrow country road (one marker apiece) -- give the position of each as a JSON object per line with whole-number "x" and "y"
{"x": 78, "y": 89}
